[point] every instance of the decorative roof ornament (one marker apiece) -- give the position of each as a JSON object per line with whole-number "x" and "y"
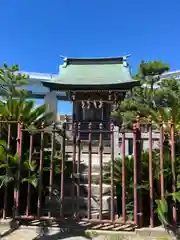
{"x": 65, "y": 59}
{"x": 125, "y": 63}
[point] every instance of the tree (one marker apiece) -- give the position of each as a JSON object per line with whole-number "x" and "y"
{"x": 12, "y": 82}
{"x": 159, "y": 98}
{"x": 14, "y": 105}
{"x": 142, "y": 100}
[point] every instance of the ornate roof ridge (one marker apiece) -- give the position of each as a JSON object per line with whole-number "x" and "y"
{"x": 71, "y": 59}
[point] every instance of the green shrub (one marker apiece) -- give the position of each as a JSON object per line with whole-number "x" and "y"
{"x": 144, "y": 186}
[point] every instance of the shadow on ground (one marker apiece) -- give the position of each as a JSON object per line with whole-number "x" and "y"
{"x": 61, "y": 230}
{"x": 67, "y": 229}
{"x": 13, "y": 226}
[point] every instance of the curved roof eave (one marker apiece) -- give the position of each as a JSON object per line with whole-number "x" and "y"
{"x": 68, "y": 87}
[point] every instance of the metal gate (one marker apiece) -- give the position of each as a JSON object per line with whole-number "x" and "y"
{"x": 58, "y": 176}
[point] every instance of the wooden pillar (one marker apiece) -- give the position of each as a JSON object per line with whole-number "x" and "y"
{"x": 76, "y": 111}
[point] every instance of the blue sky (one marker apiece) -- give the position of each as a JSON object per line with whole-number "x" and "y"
{"x": 35, "y": 33}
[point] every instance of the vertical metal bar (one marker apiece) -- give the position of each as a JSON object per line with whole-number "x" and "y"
{"x": 7, "y": 160}
{"x": 74, "y": 132}
{"x": 62, "y": 170}
{"x": 78, "y": 170}
{"x": 1, "y": 119}
{"x": 40, "y": 185}
{"x": 74, "y": 128}
{"x": 101, "y": 170}
{"x": 135, "y": 173}
{"x": 151, "y": 196}
{"x": 123, "y": 176}
{"x": 29, "y": 185}
{"x": 90, "y": 171}
{"x": 172, "y": 147}
{"x": 17, "y": 181}
{"x": 112, "y": 171}
{"x": 162, "y": 158}
{"x": 51, "y": 165}
{"x": 139, "y": 170}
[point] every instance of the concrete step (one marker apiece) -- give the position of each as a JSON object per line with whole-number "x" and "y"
{"x": 95, "y": 189}
{"x": 84, "y": 166}
{"x": 94, "y": 178}
{"x": 84, "y": 158}
{"x": 85, "y": 149}
{"x": 82, "y": 213}
{"x": 95, "y": 174}
{"x": 81, "y": 203}
{"x": 83, "y": 189}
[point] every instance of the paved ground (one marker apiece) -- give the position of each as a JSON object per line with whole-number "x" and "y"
{"x": 31, "y": 233}
{"x": 23, "y": 234}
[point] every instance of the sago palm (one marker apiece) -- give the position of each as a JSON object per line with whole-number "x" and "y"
{"x": 24, "y": 111}
{"x": 32, "y": 118}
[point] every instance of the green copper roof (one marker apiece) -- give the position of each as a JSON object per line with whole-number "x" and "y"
{"x": 97, "y": 72}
